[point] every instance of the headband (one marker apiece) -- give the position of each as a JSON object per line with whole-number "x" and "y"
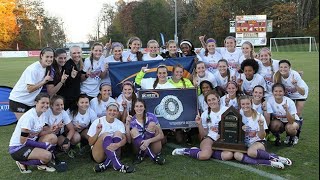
{"x": 211, "y": 40}
{"x": 113, "y": 104}
{"x": 116, "y": 44}
{"x": 186, "y": 42}
{"x": 105, "y": 84}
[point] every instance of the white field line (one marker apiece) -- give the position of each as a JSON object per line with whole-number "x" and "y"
{"x": 241, "y": 166}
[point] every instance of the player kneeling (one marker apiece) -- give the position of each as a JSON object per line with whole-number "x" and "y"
{"x": 106, "y": 137}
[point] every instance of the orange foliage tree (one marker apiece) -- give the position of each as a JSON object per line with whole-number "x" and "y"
{"x": 8, "y": 23}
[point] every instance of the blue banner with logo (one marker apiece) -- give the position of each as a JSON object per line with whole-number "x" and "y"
{"x": 6, "y": 116}
{"x": 127, "y": 71}
{"x": 174, "y": 108}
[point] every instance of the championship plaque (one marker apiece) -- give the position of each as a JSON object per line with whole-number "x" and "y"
{"x": 230, "y": 131}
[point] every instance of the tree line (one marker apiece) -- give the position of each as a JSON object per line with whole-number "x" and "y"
{"x": 18, "y": 25}
{"x": 147, "y": 18}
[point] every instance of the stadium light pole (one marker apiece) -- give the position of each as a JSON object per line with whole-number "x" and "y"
{"x": 40, "y": 27}
{"x": 175, "y": 22}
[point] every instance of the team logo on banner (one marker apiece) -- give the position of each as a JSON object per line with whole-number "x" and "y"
{"x": 174, "y": 108}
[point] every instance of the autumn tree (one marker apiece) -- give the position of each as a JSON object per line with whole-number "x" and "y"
{"x": 8, "y": 23}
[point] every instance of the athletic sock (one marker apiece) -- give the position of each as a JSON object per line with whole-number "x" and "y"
{"x": 194, "y": 152}
{"x": 111, "y": 155}
{"x": 249, "y": 160}
{"x": 137, "y": 143}
{"x": 261, "y": 154}
{"x": 31, "y": 162}
{"x": 148, "y": 134}
{"x": 116, "y": 140}
{"x": 217, "y": 154}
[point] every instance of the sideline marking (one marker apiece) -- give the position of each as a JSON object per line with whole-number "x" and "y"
{"x": 238, "y": 165}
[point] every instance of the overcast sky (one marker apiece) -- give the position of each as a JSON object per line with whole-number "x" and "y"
{"x": 79, "y": 16}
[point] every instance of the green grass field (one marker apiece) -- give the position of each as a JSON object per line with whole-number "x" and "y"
{"x": 305, "y": 155}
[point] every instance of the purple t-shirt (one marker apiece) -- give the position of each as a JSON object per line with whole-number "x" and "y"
{"x": 150, "y": 118}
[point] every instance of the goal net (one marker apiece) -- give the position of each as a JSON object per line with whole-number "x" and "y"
{"x": 290, "y": 44}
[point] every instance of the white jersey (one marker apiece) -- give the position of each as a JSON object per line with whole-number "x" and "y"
{"x": 267, "y": 72}
{"x": 202, "y": 103}
{"x": 252, "y": 128}
{"x": 100, "y": 108}
{"x": 91, "y": 85}
{"x": 110, "y": 59}
{"x": 32, "y": 75}
{"x": 120, "y": 99}
{"x": 83, "y": 119}
{"x": 107, "y": 127}
{"x": 247, "y": 86}
{"x": 211, "y": 60}
{"x": 257, "y": 107}
{"x": 31, "y": 121}
{"x": 128, "y": 54}
{"x": 52, "y": 119}
{"x": 233, "y": 102}
{"x": 147, "y": 83}
{"x": 147, "y": 57}
{"x": 213, "y": 126}
{"x": 209, "y": 77}
{"x": 231, "y": 57}
{"x": 291, "y": 90}
{"x": 223, "y": 81}
{"x": 277, "y": 110}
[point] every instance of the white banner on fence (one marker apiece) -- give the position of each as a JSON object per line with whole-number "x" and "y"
{"x": 6, "y": 54}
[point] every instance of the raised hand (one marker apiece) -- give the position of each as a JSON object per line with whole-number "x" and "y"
{"x": 198, "y": 119}
{"x": 99, "y": 127}
{"x": 64, "y": 77}
{"x": 108, "y": 44}
{"x": 227, "y": 100}
{"x": 260, "y": 121}
{"x": 293, "y": 80}
{"x": 128, "y": 119}
{"x": 48, "y": 77}
{"x": 285, "y": 106}
{"x": 145, "y": 68}
{"x": 74, "y": 72}
{"x": 201, "y": 38}
{"x": 106, "y": 66}
{"x": 129, "y": 58}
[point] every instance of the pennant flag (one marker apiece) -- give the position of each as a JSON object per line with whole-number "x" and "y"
{"x": 162, "y": 39}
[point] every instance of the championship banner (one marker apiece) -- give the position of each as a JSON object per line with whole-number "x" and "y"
{"x": 127, "y": 71}
{"x": 174, "y": 108}
{"x": 6, "y": 116}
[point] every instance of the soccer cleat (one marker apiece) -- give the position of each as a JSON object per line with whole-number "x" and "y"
{"x": 284, "y": 161}
{"x": 295, "y": 140}
{"x": 287, "y": 141}
{"x": 126, "y": 169}
{"x": 138, "y": 159}
{"x": 23, "y": 168}
{"x": 276, "y": 164}
{"x": 46, "y": 168}
{"x": 100, "y": 167}
{"x": 270, "y": 137}
{"x": 178, "y": 151}
{"x": 159, "y": 160}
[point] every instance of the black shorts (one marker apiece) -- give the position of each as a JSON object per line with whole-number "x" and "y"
{"x": 22, "y": 154}
{"x": 283, "y": 128}
{"x": 18, "y": 107}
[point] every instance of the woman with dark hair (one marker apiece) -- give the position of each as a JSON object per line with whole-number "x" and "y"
{"x": 249, "y": 79}
{"x": 295, "y": 88}
{"x": 205, "y": 87}
{"x": 25, "y": 147}
{"x": 187, "y": 48}
{"x": 58, "y": 72}
{"x": 224, "y": 75}
{"x": 125, "y": 100}
{"x": 208, "y": 125}
{"x": 254, "y": 127}
{"x": 99, "y": 103}
{"x": 144, "y": 130}
{"x": 160, "y": 82}
{"x": 29, "y": 85}
{"x": 284, "y": 115}
{"x": 232, "y": 95}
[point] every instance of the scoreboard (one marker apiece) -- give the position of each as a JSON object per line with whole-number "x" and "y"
{"x": 251, "y": 28}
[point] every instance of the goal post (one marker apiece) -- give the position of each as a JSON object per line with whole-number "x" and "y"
{"x": 290, "y": 44}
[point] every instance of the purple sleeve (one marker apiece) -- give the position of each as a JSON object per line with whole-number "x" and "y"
{"x": 152, "y": 118}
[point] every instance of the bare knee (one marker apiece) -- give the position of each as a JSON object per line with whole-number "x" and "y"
{"x": 75, "y": 138}
{"x": 50, "y": 138}
{"x": 226, "y": 155}
{"x": 117, "y": 134}
{"x": 134, "y": 132}
{"x": 46, "y": 157}
{"x": 252, "y": 152}
{"x": 238, "y": 156}
{"x": 151, "y": 127}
